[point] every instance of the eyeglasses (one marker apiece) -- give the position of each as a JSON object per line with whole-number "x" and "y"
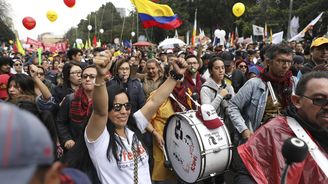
{"x": 117, "y": 106}
{"x": 91, "y": 76}
{"x": 242, "y": 66}
{"x": 192, "y": 63}
{"x": 284, "y": 61}
{"x": 76, "y": 73}
{"x": 318, "y": 101}
{"x": 18, "y": 64}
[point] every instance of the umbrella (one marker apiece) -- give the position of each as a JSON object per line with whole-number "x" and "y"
{"x": 171, "y": 43}
{"x": 142, "y": 43}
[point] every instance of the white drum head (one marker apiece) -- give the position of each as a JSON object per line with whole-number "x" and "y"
{"x": 183, "y": 149}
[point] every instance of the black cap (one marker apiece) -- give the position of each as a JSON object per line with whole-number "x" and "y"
{"x": 226, "y": 57}
{"x": 298, "y": 59}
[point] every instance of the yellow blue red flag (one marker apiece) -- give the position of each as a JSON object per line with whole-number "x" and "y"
{"x": 158, "y": 15}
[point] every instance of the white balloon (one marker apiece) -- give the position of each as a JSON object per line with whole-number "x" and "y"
{"x": 79, "y": 41}
{"x": 89, "y": 27}
{"x": 223, "y": 33}
{"x": 133, "y": 34}
{"x": 101, "y": 31}
{"x": 217, "y": 33}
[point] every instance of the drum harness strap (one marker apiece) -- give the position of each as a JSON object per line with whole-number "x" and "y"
{"x": 315, "y": 152}
{"x": 183, "y": 108}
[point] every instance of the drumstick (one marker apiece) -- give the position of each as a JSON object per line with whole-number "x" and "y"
{"x": 273, "y": 96}
{"x": 195, "y": 102}
{"x": 167, "y": 163}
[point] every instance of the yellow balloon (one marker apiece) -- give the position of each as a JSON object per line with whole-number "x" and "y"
{"x": 238, "y": 9}
{"x": 52, "y": 15}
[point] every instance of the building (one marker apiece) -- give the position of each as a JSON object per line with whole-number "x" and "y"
{"x": 122, "y": 12}
{"x": 49, "y": 38}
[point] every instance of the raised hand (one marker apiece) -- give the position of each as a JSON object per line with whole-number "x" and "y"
{"x": 33, "y": 71}
{"x": 103, "y": 62}
{"x": 179, "y": 65}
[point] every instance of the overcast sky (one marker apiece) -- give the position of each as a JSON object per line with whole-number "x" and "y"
{"x": 67, "y": 17}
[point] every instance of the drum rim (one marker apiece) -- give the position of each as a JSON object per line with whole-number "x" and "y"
{"x": 165, "y": 147}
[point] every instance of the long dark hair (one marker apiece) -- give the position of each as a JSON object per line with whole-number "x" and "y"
{"x": 131, "y": 124}
{"x": 78, "y": 157}
{"x": 66, "y": 73}
{"x": 24, "y": 82}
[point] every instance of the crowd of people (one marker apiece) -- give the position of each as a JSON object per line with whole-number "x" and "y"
{"x": 103, "y": 114}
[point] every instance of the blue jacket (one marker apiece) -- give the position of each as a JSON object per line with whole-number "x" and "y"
{"x": 246, "y": 109}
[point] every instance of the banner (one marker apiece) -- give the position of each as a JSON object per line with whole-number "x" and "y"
{"x": 258, "y": 31}
{"x": 310, "y": 25}
{"x": 294, "y": 25}
{"x": 56, "y": 47}
{"x": 277, "y": 37}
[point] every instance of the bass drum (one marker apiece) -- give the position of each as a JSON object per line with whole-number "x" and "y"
{"x": 193, "y": 151}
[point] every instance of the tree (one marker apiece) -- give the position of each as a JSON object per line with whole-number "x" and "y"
{"x": 213, "y": 14}
{"x": 5, "y": 23}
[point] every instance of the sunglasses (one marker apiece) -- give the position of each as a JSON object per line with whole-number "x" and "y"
{"x": 91, "y": 76}
{"x": 242, "y": 66}
{"x": 117, "y": 106}
{"x": 318, "y": 101}
{"x": 18, "y": 64}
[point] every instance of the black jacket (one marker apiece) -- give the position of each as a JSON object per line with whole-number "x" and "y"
{"x": 134, "y": 90}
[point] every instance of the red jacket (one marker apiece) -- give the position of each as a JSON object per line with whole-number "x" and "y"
{"x": 189, "y": 86}
{"x": 263, "y": 159}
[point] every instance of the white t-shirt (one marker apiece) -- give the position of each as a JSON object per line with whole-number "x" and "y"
{"x": 109, "y": 171}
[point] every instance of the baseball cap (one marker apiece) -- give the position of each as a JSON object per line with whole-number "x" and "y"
{"x": 24, "y": 144}
{"x": 319, "y": 41}
{"x": 3, "y": 86}
{"x": 208, "y": 115}
{"x": 226, "y": 57}
{"x": 255, "y": 70}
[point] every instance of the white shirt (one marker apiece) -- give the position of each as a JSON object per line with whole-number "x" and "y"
{"x": 111, "y": 172}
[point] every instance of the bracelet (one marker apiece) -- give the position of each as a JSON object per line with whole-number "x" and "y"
{"x": 174, "y": 75}
{"x": 101, "y": 84}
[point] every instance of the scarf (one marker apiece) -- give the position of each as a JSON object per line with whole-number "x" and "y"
{"x": 81, "y": 107}
{"x": 283, "y": 86}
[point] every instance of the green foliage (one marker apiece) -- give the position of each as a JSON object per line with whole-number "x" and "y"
{"x": 5, "y": 23}
{"x": 212, "y": 14}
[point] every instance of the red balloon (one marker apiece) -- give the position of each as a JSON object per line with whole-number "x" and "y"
{"x": 69, "y": 3}
{"x": 29, "y": 23}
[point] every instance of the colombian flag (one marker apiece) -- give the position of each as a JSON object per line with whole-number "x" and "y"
{"x": 152, "y": 14}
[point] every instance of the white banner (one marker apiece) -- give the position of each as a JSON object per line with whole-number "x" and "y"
{"x": 277, "y": 37}
{"x": 258, "y": 31}
{"x": 311, "y": 24}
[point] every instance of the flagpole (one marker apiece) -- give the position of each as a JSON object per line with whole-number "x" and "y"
{"x": 289, "y": 18}
{"x": 122, "y": 28}
{"x": 137, "y": 25}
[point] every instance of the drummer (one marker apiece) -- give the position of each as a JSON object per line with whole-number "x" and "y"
{"x": 114, "y": 142}
{"x": 217, "y": 93}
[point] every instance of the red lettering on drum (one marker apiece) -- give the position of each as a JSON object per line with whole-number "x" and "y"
{"x": 194, "y": 162}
